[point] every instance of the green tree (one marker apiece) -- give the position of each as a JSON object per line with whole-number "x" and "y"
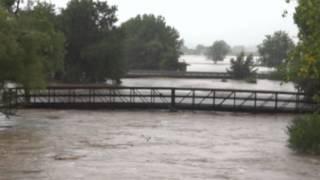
{"x": 93, "y": 43}
{"x": 31, "y": 49}
{"x": 303, "y": 66}
{"x": 275, "y": 49}
{"x": 218, "y": 51}
{"x": 242, "y": 67}
{"x": 151, "y": 43}
{"x": 9, "y": 47}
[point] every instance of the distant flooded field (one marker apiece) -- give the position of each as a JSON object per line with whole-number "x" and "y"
{"x": 142, "y": 145}
{"x": 209, "y": 83}
{"x": 202, "y": 64}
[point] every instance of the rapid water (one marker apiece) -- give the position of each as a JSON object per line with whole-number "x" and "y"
{"x": 157, "y": 145}
{"x": 144, "y": 145}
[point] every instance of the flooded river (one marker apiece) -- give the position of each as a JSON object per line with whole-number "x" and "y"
{"x": 136, "y": 145}
{"x": 153, "y": 145}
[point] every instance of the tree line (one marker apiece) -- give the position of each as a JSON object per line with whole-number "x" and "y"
{"x": 81, "y": 43}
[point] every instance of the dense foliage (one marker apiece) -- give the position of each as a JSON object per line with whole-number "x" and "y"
{"x": 31, "y": 49}
{"x": 94, "y": 46}
{"x": 304, "y": 133}
{"x": 151, "y": 44}
{"x": 218, "y": 51}
{"x": 275, "y": 49}
{"x": 304, "y": 61}
{"x": 242, "y": 67}
{"x": 80, "y": 44}
{"x": 303, "y": 67}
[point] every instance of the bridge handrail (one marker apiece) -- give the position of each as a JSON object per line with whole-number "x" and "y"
{"x": 171, "y": 96}
{"x": 170, "y": 88}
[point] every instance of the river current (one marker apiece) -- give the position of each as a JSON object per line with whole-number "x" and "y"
{"x": 157, "y": 145}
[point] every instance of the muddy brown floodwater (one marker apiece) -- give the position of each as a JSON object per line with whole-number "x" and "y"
{"x": 154, "y": 145}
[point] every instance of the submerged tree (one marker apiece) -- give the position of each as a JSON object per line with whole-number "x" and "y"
{"x": 93, "y": 42}
{"x": 151, "y": 43}
{"x": 275, "y": 48}
{"x": 218, "y": 51}
{"x": 242, "y": 67}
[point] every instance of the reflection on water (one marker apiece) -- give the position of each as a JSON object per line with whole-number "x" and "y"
{"x": 93, "y": 145}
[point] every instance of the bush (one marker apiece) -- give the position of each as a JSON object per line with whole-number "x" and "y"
{"x": 277, "y": 75}
{"x": 304, "y": 134}
{"x": 242, "y": 67}
{"x": 251, "y": 80}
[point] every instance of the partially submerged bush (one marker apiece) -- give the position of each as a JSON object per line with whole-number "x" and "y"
{"x": 304, "y": 134}
{"x": 242, "y": 67}
{"x": 251, "y": 80}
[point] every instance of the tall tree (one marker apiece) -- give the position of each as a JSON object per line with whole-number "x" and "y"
{"x": 31, "y": 49}
{"x": 275, "y": 49}
{"x": 304, "y": 61}
{"x": 218, "y": 51}
{"x": 151, "y": 43}
{"x": 92, "y": 51}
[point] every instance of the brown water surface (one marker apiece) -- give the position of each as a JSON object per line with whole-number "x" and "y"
{"x": 149, "y": 145}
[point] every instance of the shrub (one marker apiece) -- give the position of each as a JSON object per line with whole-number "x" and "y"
{"x": 277, "y": 75}
{"x": 242, "y": 67}
{"x": 304, "y": 134}
{"x": 251, "y": 80}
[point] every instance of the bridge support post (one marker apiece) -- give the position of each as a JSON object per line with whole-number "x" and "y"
{"x": 255, "y": 101}
{"x": 297, "y": 102}
{"x": 234, "y": 100}
{"x": 214, "y": 99}
{"x": 193, "y": 99}
{"x": 173, "y": 98}
{"x": 276, "y": 102}
{"x": 16, "y": 96}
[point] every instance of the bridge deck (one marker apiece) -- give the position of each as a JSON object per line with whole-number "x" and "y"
{"x": 162, "y": 98}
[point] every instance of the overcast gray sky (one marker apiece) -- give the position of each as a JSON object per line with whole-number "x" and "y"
{"x": 239, "y": 22}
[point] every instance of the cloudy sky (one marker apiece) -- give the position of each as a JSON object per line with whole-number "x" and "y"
{"x": 239, "y": 22}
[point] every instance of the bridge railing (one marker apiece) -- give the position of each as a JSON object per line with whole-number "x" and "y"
{"x": 162, "y": 97}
